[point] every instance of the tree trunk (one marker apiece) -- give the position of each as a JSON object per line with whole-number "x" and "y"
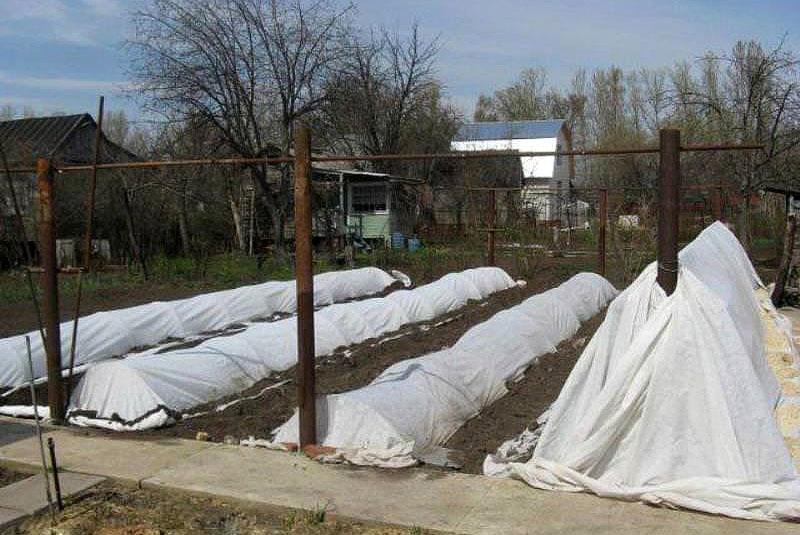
{"x": 136, "y": 251}
{"x": 237, "y": 218}
{"x": 183, "y": 224}
{"x": 786, "y": 260}
{"x": 745, "y": 215}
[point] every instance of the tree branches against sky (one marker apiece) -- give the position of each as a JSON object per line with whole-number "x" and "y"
{"x": 71, "y": 46}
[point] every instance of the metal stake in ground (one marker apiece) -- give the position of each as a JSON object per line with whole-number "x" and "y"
{"x": 51, "y": 445}
{"x": 306, "y": 376}
{"x": 50, "y": 314}
{"x": 669, "y": 208}
{"x": 35, "y": 403}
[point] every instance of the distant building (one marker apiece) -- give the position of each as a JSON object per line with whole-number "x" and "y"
{"x": 65, "y": 140}
{"x": 545, "y": 180}
{"x": 372, "y": 206}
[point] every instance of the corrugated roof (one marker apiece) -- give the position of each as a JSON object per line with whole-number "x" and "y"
{"x": 486, "y": 131}
{"x": 40, "y": 136}
{"x": 65, "y": 138}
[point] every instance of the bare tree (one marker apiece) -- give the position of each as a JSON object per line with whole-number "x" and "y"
{"x": 248, "y": 67}
{"x": 387, "y": 83}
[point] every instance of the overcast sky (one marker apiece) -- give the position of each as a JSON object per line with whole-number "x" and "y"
{"x": 59, "y": 55}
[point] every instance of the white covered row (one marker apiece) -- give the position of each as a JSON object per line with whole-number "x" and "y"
{"x": 146, "y": 391}
{"x": 415, "y": 405}
{"x": 673, "y": 401}
{"x": 113, "y": 333}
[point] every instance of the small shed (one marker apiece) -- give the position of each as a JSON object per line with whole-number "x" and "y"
{"x": 371, "y": 205}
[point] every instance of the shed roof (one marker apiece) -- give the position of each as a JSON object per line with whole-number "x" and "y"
{"x": 65, "y": 137}
{"x": 485, "y": 131}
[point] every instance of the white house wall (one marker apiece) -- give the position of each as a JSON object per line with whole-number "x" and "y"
{"x": 533, "y": 166}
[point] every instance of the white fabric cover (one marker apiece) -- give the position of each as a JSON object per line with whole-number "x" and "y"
{"x": 417, "y": 404}
{"x": 114, "y": 333}
{"x": 129, "y": 391}
{"x": 672, "y": 401}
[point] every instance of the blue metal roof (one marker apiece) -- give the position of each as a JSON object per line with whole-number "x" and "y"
{"x": 509, "y": 130}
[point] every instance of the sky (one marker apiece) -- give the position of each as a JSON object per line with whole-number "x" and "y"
{"x": 60, "y": 55}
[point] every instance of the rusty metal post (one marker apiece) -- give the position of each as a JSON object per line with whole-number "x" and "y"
{"x": 490, "y": 236}
{"x": 601, "y": 232}
{"x": 98, "y": 140}
{"x": 87, "y": 243}
{"x": 669, "y": 208}
{"x": 716, "y": 203}
{"x": 306, "y": 376}
{"x": 52, "y": 328}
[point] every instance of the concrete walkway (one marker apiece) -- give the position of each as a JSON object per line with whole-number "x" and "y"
{"x": 451, "y": 502}
{"x": 28, "y": 497}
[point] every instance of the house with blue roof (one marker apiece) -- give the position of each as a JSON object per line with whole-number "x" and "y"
{"x": 545, "y": 179}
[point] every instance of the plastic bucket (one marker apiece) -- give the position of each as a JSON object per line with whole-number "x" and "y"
{"x": 398, "y": 240}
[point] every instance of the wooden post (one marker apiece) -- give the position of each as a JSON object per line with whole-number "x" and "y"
{"x": 306, "y": 376}
{"x": 50, "y": 313}
{"x": 490, "y": 237}
{"x": 601, "y": 232}
{"x": 786, "y": 260}
{"x": 669, "y": 208}
{"x": 716, "y": 204}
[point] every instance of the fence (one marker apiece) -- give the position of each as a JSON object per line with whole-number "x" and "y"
{"x": 506, "y": 219}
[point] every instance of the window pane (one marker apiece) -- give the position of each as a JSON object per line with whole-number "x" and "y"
{"x": 369, "y": 197}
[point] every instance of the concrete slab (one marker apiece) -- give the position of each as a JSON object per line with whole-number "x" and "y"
{"x": 28, "y": 495}
{"x": 123, "y": 459}
{"x": 409, "y": 497}
{"x": 511, "y": 507}
{"x": 10, "y": 517}
{"x": 456, "y": 503}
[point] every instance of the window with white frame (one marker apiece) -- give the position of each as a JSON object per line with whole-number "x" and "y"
{"x": 369, "y": 198}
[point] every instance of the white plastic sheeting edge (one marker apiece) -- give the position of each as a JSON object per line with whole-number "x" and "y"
{"x": 672, "y": 401}
{"x": 142, "y": 392}
{"x": 115, "y": 332}
{"x": 415, "y": 405}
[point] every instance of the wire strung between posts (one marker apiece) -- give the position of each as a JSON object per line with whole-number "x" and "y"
{"x": 462, "y": 155}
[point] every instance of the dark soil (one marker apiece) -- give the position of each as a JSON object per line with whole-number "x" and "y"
{"x": 356, "y": 366}
{"x": 525, "y": 401}
{"x": 347, "y": 369}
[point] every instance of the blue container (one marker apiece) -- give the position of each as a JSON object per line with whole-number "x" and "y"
{"x": 414, "y": 244}
{"x": 398, "y": 240}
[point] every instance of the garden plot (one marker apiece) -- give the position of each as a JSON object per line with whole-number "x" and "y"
{"x": 674, "y": 401}
{"x": 416, "y": 405}
{"x": 148, "y": 391}
{"x": 116, "y": 332}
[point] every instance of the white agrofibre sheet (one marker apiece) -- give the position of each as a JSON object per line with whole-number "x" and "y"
{"x": 115, "y": 332}
{"x": 142, "y": 392}
{"x": 673, "y": 401}
{"x": 415, "y": 405}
